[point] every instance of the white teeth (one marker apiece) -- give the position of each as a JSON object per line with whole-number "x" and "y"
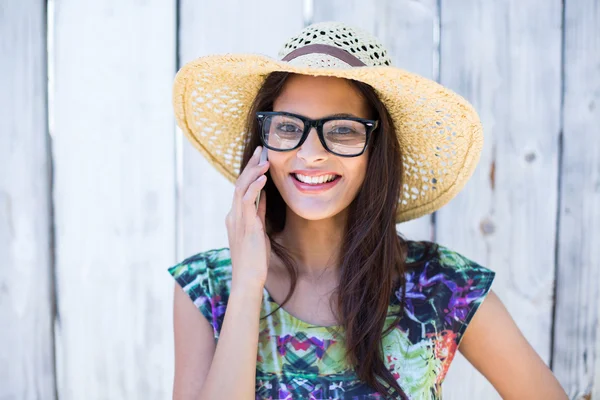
{"x": 314, "y": 180}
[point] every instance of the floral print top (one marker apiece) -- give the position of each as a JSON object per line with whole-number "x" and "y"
{"x": 297, "y": 360}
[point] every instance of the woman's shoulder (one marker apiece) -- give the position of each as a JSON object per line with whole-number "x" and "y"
{"x": 212, "y": 258}
{"x": 432, "y": 257}
{"x": 444, "y": 288}
{"x": 206, "y": 278}
{"x": 210, "y": 268}
{"x": 214, "y": 261}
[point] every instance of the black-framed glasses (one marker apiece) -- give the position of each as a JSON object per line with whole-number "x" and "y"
{"x": 342, "y": 136}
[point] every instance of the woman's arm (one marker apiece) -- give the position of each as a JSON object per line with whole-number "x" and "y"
{"x": 231, "y": 371}
{"x": 194, "y": 347}
{"x": 495, "y": 346}
{"x": 227, "y": 370}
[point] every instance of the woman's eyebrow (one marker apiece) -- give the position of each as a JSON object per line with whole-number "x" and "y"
{"x": 342, "y": 115}
{"x": 338, "y": 115}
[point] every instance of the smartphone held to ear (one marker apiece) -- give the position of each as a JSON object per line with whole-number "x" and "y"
{"x": 263, "y": 158}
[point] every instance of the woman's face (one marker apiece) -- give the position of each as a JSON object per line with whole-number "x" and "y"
{"x": 318, "y": 97}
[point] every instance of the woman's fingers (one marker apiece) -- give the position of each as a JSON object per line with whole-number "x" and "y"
{"x": 262, "y": 207}
{"x": 249, "y": 208}
{"x": 250, "y": 173}
{"x": 248, "y": 243}
{"x": 240, "y": 184}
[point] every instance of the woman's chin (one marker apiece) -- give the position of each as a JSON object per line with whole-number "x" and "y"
{"x": 313, "y": 211}
{"x": 312, "y": 206}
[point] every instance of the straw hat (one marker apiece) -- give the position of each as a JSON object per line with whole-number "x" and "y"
{"x": 439, "y": 132}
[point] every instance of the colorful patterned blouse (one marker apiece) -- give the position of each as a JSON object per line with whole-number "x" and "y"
{"x": 297, "y": 360}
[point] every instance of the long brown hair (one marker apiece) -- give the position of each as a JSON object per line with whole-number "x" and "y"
{"x": 371, "y": 250}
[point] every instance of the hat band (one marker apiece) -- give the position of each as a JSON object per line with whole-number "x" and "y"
{"x": 336, "y": 52}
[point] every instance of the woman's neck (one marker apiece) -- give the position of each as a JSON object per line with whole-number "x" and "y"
{"x": 314, "y": 245}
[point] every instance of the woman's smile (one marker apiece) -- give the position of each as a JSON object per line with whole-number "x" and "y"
{"x": 314, "y": 182}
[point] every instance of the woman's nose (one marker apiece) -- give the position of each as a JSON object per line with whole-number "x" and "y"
{"x": 312, "y": 150}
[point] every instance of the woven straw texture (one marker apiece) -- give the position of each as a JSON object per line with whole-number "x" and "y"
{"x": 439, "y": 132}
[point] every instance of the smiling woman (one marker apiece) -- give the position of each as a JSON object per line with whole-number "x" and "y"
{"x": 312, "y": 156}
{"x": 368, "y": 314}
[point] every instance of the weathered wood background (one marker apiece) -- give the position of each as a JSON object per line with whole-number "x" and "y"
{"x": 99, "y": 192}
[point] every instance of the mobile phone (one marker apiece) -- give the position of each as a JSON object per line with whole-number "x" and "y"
{"x": 263, "y": 158}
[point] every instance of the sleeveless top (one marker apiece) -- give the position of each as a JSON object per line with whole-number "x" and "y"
{"x": 297, "y": 360}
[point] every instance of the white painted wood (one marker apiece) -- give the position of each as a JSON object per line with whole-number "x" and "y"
{"x": 115, "y": 197}
{"x": 505, "y": 57}
{"x": 408, "y": 29}
{"x": 26, "y": 303}
{"x": 576, "y": 346}
{"x": 259, "y": 26}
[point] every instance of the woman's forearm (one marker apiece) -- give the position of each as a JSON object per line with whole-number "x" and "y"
{"x": 232, "y": 372}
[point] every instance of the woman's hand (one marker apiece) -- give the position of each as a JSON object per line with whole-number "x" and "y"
{"x": 249, "y": 244}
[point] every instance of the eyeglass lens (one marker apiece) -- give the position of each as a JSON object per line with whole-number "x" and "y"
{"x": 342, "y": 136}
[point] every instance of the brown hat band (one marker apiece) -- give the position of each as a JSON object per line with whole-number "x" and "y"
{"x": 336, "y": 52}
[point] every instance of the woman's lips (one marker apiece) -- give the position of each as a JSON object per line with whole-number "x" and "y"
{"x": 314, "y": 188}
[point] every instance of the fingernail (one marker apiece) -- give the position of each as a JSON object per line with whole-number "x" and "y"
{"x": 257, "y": 150}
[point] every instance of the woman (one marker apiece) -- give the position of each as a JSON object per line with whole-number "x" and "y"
{"x": 317, "y": 296}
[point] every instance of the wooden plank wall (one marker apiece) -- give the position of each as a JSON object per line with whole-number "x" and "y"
{"x": 505, "y": 57}
{"x": 101, "y": 193}
{"x": 26, "y": 285}
{"x": 114, "y": 197}
{"x": 576, "y": 347}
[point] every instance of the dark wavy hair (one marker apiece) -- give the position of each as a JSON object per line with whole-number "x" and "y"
{"x": 371, "y": 250}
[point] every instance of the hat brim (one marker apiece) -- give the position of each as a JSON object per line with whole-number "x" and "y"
{"x": 439, "y": 132}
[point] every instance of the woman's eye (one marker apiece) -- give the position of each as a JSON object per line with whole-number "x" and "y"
{"x": 287, "y": 128}
{"x": 342, "y": 130}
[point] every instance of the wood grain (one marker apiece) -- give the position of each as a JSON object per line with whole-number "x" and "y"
{"x": 115, "y": 198}
{"x": 26, "y": 285}
{"x": 576, "y": 347}
{"x": 505, "y": 57}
